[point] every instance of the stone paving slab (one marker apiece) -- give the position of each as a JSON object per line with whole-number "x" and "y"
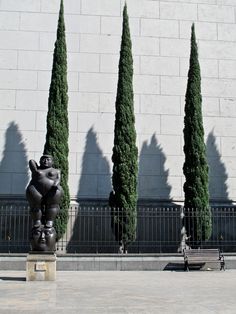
{"x": 116, "y": 292}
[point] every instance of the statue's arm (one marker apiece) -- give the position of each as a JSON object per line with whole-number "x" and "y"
{"x": 33, "y": 165}
{"x": 58, "y": 178}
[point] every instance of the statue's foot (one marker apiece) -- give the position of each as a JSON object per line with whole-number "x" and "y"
{"x": 49, "y": 224}
{"x": 37, "y": 223}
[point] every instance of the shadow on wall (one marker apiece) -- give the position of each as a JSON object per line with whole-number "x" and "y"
{"x": 13, "y": 180}
{"x": 14, "y": 164}
{"x": 95, "y": 183}
{"x": 217, "y": 172}
{"x": 95, "y": 178}
{"x": 153, "y": 185}
{"x": 153, "y": 178}
{"x": 224, "y": 220}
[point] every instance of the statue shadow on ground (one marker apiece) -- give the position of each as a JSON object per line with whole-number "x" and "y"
{"x": 154, "y": 193}
{"x": 13, "y": 180}
{"x": 13, "y": 278}
{"x": 95, "y": 183}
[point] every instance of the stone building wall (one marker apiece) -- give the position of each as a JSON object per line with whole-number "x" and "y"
{"x": 160, "y": 33}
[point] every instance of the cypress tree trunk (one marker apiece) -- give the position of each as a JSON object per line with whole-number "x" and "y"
{"x": 57, "y": 120}
{"x": 123, "y": 198}
{"x": 195, "y": 166}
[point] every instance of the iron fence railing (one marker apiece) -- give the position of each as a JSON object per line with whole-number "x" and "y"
{"x": 15, "y": 224}
{"x": 89, "y": 230}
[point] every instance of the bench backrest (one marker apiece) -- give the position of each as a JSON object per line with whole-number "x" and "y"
{"x": 206, "y": 253}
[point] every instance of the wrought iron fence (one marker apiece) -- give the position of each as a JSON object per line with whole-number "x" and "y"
{"x": 89, "y": 230}
{"x": 15, "y": 224}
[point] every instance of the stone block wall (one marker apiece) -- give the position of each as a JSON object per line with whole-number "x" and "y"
{"x": 160, "y": 33}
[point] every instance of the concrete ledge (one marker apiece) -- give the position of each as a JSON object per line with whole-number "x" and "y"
{"x": 118, "y": 262}
{"x": 91, "y": 262}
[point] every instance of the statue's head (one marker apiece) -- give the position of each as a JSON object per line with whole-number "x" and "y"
{"x": 46, "y": 161}
{"x": 43, "y": 239}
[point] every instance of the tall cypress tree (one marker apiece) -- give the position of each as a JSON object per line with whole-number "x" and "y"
{"x": 195, "y": 166}
{"x": 125, "y": 153}
{"x": 57, "y": 120}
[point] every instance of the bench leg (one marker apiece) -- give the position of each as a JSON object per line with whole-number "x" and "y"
{"x": 186, "y": 268}
{"x": 222, "y": 265}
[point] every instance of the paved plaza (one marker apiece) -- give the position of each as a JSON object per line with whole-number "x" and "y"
{"x": 86, "y": 292}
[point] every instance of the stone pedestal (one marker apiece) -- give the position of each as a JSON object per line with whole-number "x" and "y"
{"x": 41, "y": 266}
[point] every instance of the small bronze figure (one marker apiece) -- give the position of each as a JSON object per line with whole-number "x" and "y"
{"x": 43, "y": 194}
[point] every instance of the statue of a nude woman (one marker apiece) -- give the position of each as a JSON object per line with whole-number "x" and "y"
{"x": 44, "y": 192}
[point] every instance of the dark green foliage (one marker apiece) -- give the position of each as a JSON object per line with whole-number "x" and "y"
{"x": 125, "y": 153}
{"x": 195, "y": 167}
{"x": 57, "y": 120}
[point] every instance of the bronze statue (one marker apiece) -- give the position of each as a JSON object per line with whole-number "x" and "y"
{"x": 43, "y": 194}
{"x": 43, "y": 239}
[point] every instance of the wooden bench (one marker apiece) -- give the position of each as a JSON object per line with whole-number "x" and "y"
{"x": 196, "y": 256}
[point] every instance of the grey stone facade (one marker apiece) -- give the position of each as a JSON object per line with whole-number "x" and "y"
{"x": 160, "y": 33}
